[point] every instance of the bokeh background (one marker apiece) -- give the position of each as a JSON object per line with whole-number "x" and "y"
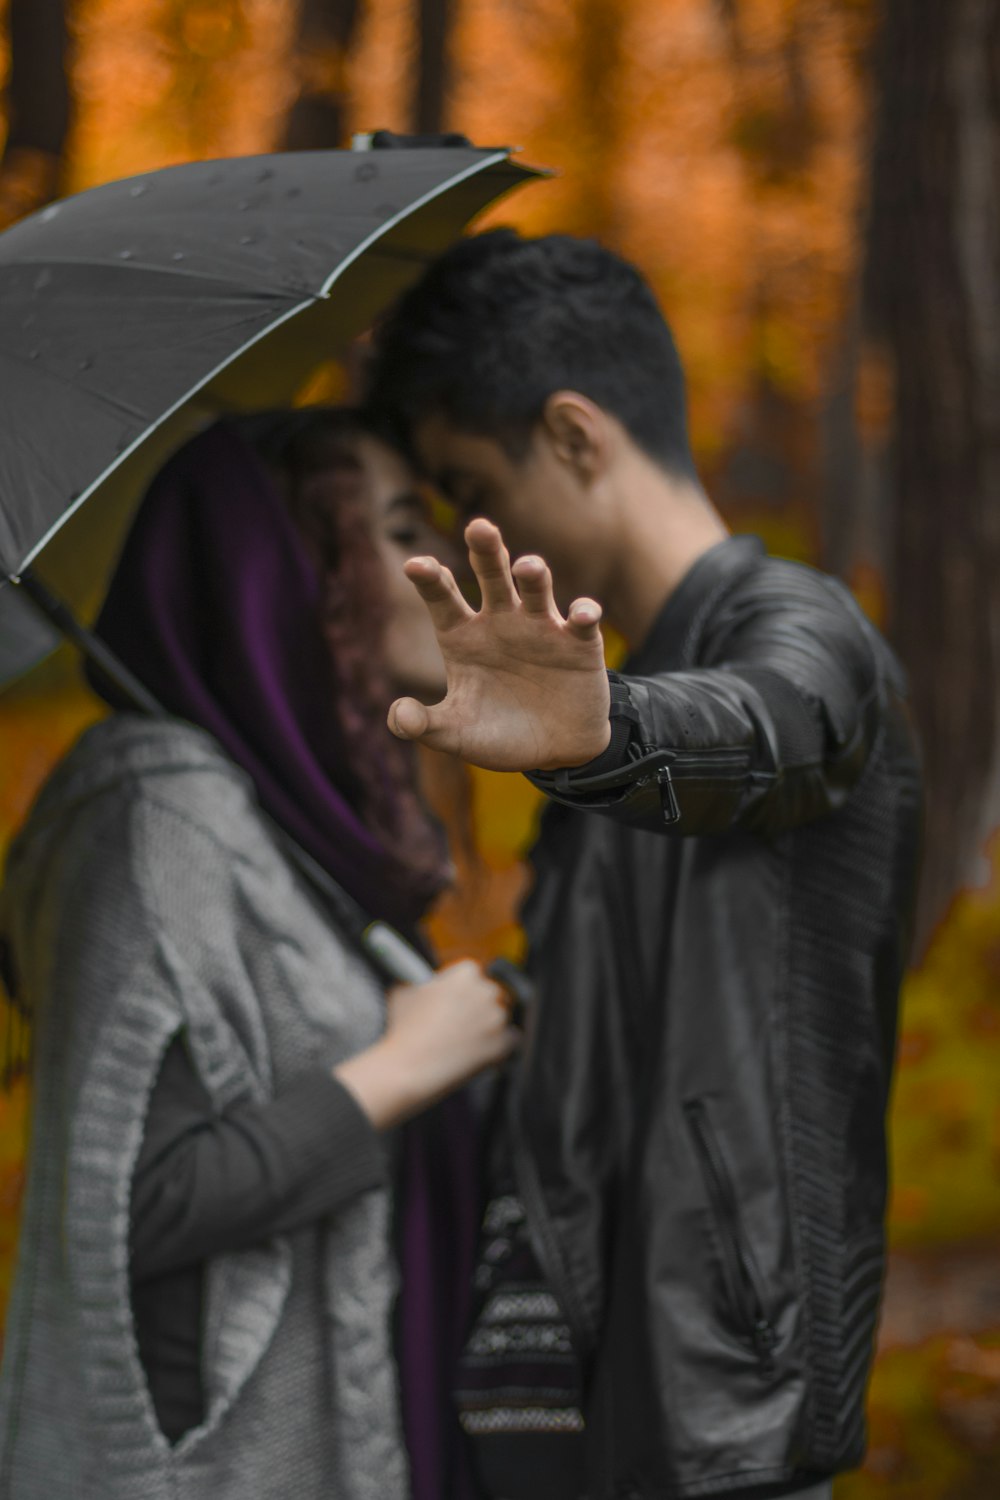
{"x": 813, "y": 187}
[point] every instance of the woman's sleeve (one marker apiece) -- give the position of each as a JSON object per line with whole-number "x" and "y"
{"x": 206, "y": 1183}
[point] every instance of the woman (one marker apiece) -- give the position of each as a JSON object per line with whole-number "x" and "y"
{"x": 205, "y": 1286}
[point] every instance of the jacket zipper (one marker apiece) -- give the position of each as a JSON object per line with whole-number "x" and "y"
{"x": 711, "y": 759}
{"x": 687, "y": 760}
{"x": 740, "y": 1269}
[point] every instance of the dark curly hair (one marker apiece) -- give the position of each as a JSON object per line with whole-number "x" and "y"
{"x": 324, "y": 481}
{"x": 499, "y": 322}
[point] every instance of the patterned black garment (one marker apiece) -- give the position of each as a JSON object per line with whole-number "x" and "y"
{"x": 519, "y": 1388}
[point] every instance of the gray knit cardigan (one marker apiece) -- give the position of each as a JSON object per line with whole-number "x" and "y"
{"x": 146, "y": 897}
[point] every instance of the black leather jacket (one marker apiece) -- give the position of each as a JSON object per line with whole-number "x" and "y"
{"x": 701, "y": 1101}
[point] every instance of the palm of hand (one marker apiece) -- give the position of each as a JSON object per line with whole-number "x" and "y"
{"x": 527, "y": 688}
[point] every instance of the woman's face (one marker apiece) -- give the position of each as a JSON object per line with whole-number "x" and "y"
{"x": 401, "y": 528}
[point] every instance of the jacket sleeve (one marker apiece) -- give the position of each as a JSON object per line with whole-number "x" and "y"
{"x": 206, "y": 1183}
{"x": 773, "y": 732}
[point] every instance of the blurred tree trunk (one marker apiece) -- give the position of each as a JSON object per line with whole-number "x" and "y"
{"x": 597, "y": 114}
{"x": 38, "y": 107}
{"x": 318, "y": 119}
{"x": 932, "y": 309}
{"x": 435, "y": 22}
{"x": 776, "y": 127}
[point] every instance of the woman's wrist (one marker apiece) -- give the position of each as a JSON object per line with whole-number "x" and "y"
{"x": 381, "y": 1081}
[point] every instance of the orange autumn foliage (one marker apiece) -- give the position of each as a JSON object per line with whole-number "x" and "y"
{"x": 722, "y": 145}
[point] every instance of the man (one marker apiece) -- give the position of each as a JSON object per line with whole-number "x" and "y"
{"x": 720, "y": 917}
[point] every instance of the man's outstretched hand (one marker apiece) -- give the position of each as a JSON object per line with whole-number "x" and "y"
{"x": 527, "y": 688}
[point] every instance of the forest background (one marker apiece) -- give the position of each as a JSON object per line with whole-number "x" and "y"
{"x": 813, "y": 187}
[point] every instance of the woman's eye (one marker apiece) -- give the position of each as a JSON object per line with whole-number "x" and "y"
{"x": 405, "y": 536}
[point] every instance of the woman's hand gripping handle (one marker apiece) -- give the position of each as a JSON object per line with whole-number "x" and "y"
{"x": 439, "y": 1035}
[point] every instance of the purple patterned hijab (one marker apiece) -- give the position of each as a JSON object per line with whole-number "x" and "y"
{"x": 216, "y": 607}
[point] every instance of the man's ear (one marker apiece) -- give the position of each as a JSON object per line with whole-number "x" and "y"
{"x": 579, "y": 433}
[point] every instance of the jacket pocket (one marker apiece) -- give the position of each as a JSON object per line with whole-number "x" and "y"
{"x": 744, "y": 1289}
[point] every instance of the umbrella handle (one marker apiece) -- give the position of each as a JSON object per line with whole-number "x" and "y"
{"x": 397, "y": 960}
{"x": 402, "y": 963}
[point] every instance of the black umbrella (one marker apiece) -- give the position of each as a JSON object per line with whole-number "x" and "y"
{"x": 132, "y": 313}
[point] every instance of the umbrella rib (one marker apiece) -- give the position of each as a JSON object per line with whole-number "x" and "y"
{"x": 153, "y": 425}
{"x": 265, "y": 292}
{"x": 99, "y": 396}
{"x": 109, "y": 401}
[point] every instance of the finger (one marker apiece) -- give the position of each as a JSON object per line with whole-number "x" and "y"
{"x": 512, "y": 1011}
{"x": 465, "y": 967}
{"x": 491, "y": 564}
{"x": 534, "y": 584}
{"x": 512, "y": 1039}
{"x": 584, "y": 619}
{"x": 497, "y": 993}
{"x": 437, "y": 588}
{"x": 411, "y": 720}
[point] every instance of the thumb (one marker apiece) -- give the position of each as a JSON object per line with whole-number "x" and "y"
{"x": 434, "y": 726}
{"x": 408, "y": 719}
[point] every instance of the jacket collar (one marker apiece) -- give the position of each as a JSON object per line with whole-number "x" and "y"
{"x": 676, "y": 627}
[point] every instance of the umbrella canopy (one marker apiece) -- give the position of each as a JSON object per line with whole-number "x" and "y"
{"x": 131, "y": 313}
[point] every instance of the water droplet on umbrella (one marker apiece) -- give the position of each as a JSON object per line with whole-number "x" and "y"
{"x": 42, "y": 280}
{"x": 138, "y": 189}
{"x": 388, "y": 209}
{"x": 27, "y": 322}
{"x": 49, "y": 213}
{"x": 88, "y": 363}
{"x": 126, "y": 254}
{"x": 177, "y": 255}
{"x": 249, "y": 239}
{"x": 34, "y": 354}
{"x": 365, "y": 172}
{"x": 294, "y": 193}
{"x": 266, "y": 175}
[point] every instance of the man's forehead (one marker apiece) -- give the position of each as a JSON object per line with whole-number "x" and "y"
{"x": 446, "y": 453}
{"x": 430, "y": 439}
